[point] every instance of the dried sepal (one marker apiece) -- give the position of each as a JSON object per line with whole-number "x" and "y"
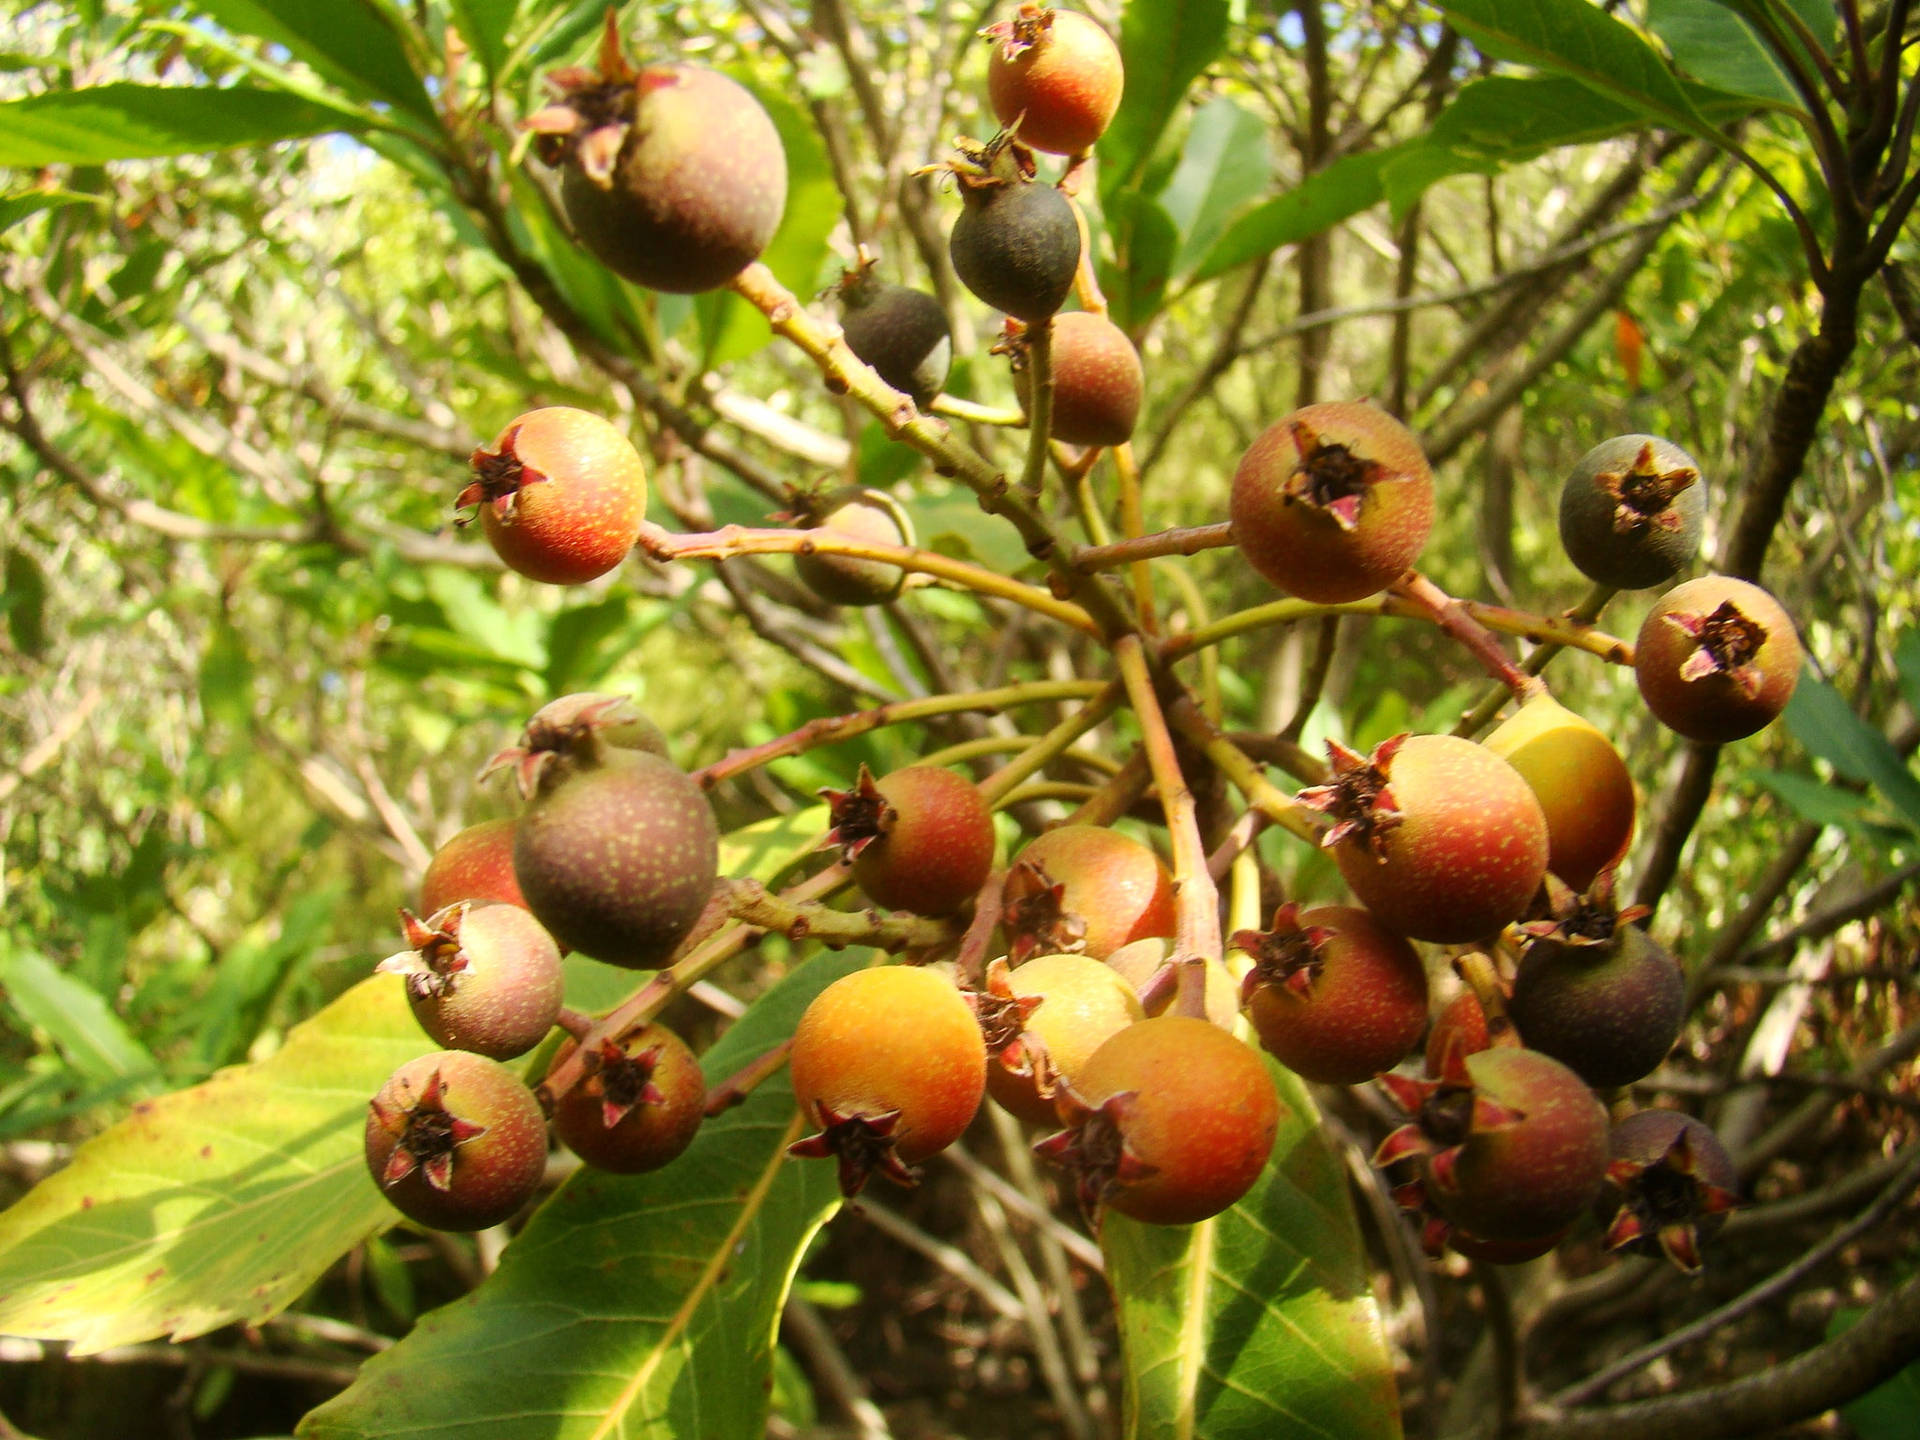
{"x": 433, "y": 958}
{"x": 1093, "y": 1149}
{"x": 426, "y": 1134}
{"x": 859, "y": 816}
{"x": 1286, "y": 956}
{"x": 1035, "y": 917}
{"x": 861, "y": 1144}
{"x": 1026, "y": 29}
{"x": 1643, "y": 493}
{"x": 1358, "y": 799}
{"x": 1725, "y": 643}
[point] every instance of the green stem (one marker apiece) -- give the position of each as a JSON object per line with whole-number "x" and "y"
{"x": 1057, "y": 741}
{"x": 1039, "y": 338}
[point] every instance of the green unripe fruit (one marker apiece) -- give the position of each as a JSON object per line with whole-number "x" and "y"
{"x": 1630, "y": 512}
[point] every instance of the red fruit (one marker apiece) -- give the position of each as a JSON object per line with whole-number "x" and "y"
{"x": 855, "y": 513}
{"x": 476, "y": 864}
{"x": 1334, "y": 995}
{"x": 484, "y": 977}
{"x": 1016, "y": 244}
{"x": 561, "y": 495}
{"x": 1581, "y": 783}
{"x": 673, "y": 176}
{"x": 1439, "y": 837}
{"x": 639, "y": 1106}
{"x": 455, "y": 1141}
{"x": 1097, "y": 381}
{"x": 1462, "y": 1024}
{"x": 1333, "y": 502}
{"x": 1085, "y": 890}
{"x": 1717, "y": 659}
{"x": 890, "y": 1064}
{"x": 1170, "y": 1122}
{"x": 1070, "y": 1005}
{"x": 919, "y": 839}
{"x": 1056, "y": 75}
{"x": 1670, "y": 1183}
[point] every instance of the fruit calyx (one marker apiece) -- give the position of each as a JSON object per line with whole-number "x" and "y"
{"x": 1358, "y": 798}
{"x": 1093, "y": 1150}
{"x": 433, "y": 960}
{"x": 498, "y": 478}
{"x": 571, "y": 732}
{"x": 1020, "y": 34}
{"x": 861, "y": 1144}
{"x": 1662, "y": 1199}
{"x": 593, "y": 111}
{"x": 1035, "y": 916}
{"x": 624, "y": 1081}
{"x": 859, "y": 816}
{"x": 1582, "y": 921}
{"x": 1285, "y": 956}
{"x": 981, "y": 168}
{"x": 1725, "y": 643}
{"x": 1446, "y": 1113}
{"x": 1003, "y": 1016}
{"x": 1643, "y": 493}
{"x": 426, "y": 1134}
{"x": 1330, "y": 478}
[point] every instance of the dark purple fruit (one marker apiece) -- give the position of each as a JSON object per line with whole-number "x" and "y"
{"x": 855, "y": 513}
{"x": 1606, "y": 999}
{"x": 901, "y": 332}
{"x": 1630, "y": 512}
{"x": 455, "y": 1141}
{"x": 639, "y": 1105}
{"x": 1016, "y": 244}
{"x": 484, "y": 978}
{"x": 1669, "y": 1186}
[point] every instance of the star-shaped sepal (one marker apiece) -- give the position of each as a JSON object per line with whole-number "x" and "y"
{"x": 1643, "y": 493}
{"x": 1330, "y": 478}
{"x": 1093, "y": 1149}
{"x": 592, "y": 112}
{"x": 1035, "y": 918}
{"x": 1725, "y": 643}
{"x": 1020, "y": 34}
{"x": 1445, "y": 1114}
{"x": 425, "y": 1133}
{"x": 1285, "y": 956}
{"x": 858, "y": 816}
{"x": 623, "y": 1082}
{"x": 862, "y": 1144}
{"x": 570, "y": 731}
{"x": 1358, "y": 799}
{"x": 433, "y": 960}
{"x": 1665, "y": 1201}
{"x": 1003, "y": 1016}
{"x": 498, "y": 478}
{"x": 1581, "y": 922}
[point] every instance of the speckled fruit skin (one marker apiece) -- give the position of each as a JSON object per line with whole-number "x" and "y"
{"x": 940, "y": 849}
{"x": 1363, "y": 1012}
{"x": 1300, "y": 547}
{"x": 1460, "y": 1017}
{"x": 1082, "y": 1005}
{"x": 580, "y": 521}
{"x": 1642, "y": 555}
{"x": 495, "y": 1173}
{"x": 1610, "y": 1012}
{"x": 1531, "y": 1179}
{"x": 1715, "y": 708}
{"x": 1015, "y": 245}
{"x": 1113, "y": 882}
{"x": 698, "y": 189}
{"x": 652, "y": 1133}
{"x": 902, "y": 333}
{"x": 1581, "y": 782}
{"x": 475, "y": 864}
{"x": 856, "y": 514}
{"x": 1097, "y": 381}
{"x": 1470, "y": 849}
{"x": 892, "y": 1038}
{"x": 618, "y": 860}
{"x": 1205, "y": 1113}
{"x": 1063, "y": 89}
{"x": 506, "y": 1000}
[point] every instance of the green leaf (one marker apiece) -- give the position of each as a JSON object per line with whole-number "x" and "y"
{"x": 1321, "y": 201}
{"x": 1820, "y": 718}
{"x": 483, "y": 24}
{"x": 1812, "y": 800}
{"x": 1885, "y": 1412}
{"x": 28, "y": 203}
{"x": 75, "y": 1016}
{"x": 578, "y": 640}
{"x": 226, "y": 679}
{"x": 1225, "y": 166}
{"x": 1259, "y": 1321}
{"x": 25, "y": 601}
{"x": 642, "y": 1305}
{"x": 764, "y": 849}
{"x": 1715, "y": 46}
{"x": 1145, "y": 240}
{"x": 124, "y": 121}
{"x": 1164, "y": 46}
{"x": 353, "y": 43}
{"x": 215, "y": 1204}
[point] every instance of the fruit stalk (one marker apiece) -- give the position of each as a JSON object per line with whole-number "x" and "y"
{"x": 997, "y": 786}
{"x": 1039, "y": 404}
{"x": 1244, "y": 775}
{"x": 737, "y": 1086}
{"x": 1453, "y": 619}
{"x": 1581, "y": 618}
{"x": 752, "y": 903}
{"x": 1133, "y": 522}
{"x": 1189, "y": 540}
{"x": 1475, "y": 967}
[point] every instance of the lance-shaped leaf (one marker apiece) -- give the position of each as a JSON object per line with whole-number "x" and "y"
{"x": 218, "y": 1203}
{"x": 1259, "y": 1321}
{"x": 638, "y": 1306}
{"x": 124, "y": 121}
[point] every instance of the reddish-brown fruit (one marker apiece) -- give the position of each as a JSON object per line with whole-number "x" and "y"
{"x": 639, "y": 1106}
{"x": 1670, "y": 1183}
{"x": 1334, "y": 995}
{"x": 1598, "y": 993}
{"x": 1078, "y": 1005}
{"x": 673, "y": 175}
{"x": 1333, "y": 502}
{"x": 455, "y": 1141}
{"x": 574, "y": 733}
{"x": 481, "y": 977}
{"x": 1630, "y": 512}
{"x": 1717, "y": 659}
{"x": 1439, "y": 837}
{"x": 561, "y": 495}
{"x": 1461, "y": 1024}
{"x": 854, "y": 513}
{"x": 1056, "y": 75}
{"x": 1170, "y": 1122}
{"x": 1085, "y": 890}
{"x": 890, "y": 1064}
{"x": 476, "y": 864}
{"x": 1579, "y": 779}
{"x": 1097, "y": 381}
{"x": 919, "y": 839}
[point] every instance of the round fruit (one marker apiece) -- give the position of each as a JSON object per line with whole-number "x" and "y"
{"x": 1670, "y": 1183}
{"x": 1610, "y": 1009}
{"x": 1579, "y": 779}
{"x": 890, "y": 1064}
{"x": 1016, "y": 244}
{"x": 1461, "y": 1024}
{"x": 1439, "y": 837}
{"x": 1079, "y": 1005}
{"x": 573, "y": 733}
{"x": 480, "y": 977}
{"x": 1717, "y": 659}
{"x": 1333, "y": 502}
{"x": 455, "y": 1141}
{"x": 1334, "y": 995}
{"x": 1170, "y": 1122}
{"x": 919, "y": 839}
{"x": 476, "y": 864}
{"x": 618, "y": 859}
{"x": 901, "y": 332}
{"x": 561, "y": 494}
{"x": 854, "y": 513}
{"x": 1083, "y": 889}
{"x": 1097, "y": 381}
{"x": 672, "y": 175}
{"x": 1630, "y": 512}
{"x": 639, "y": 1106}
{"x": 1056, "y": 75}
